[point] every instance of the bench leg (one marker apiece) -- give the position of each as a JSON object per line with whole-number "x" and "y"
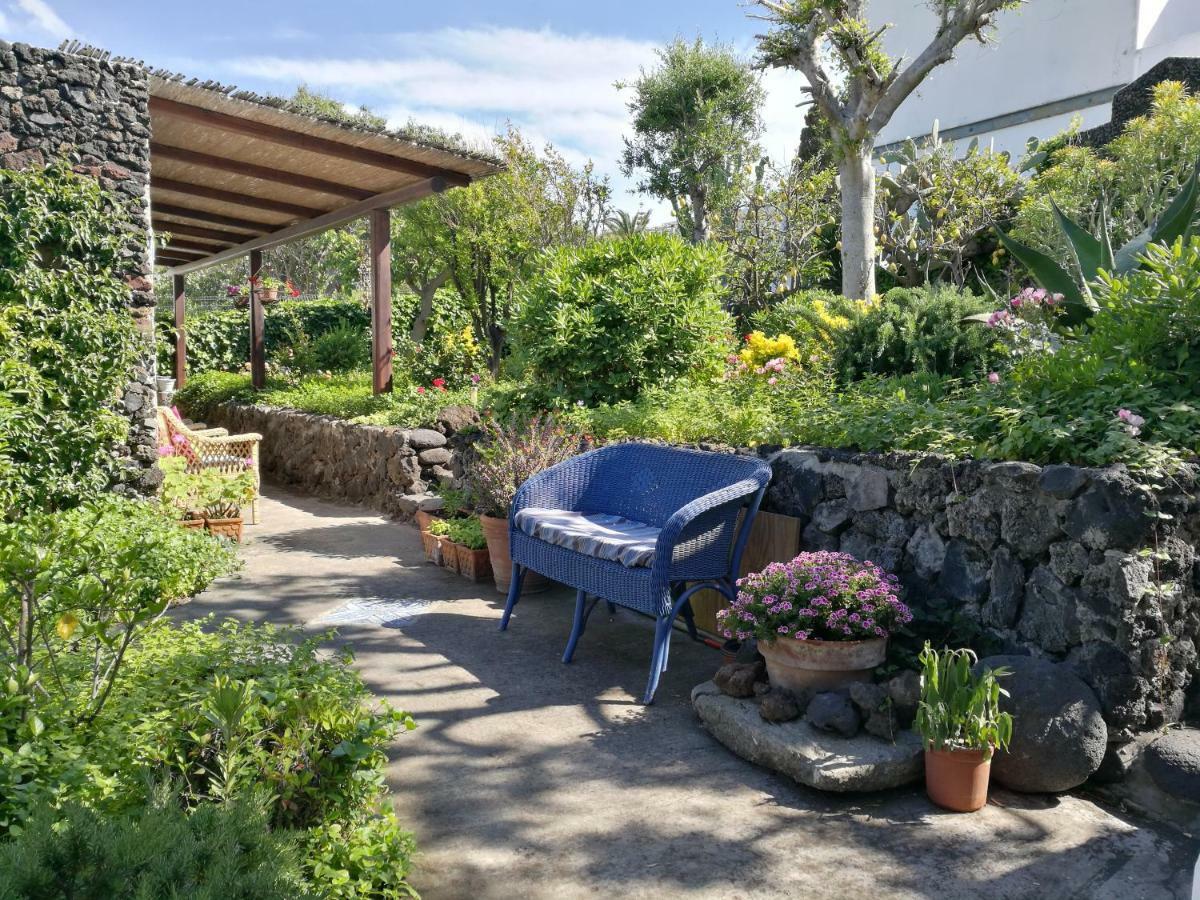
{"x": 514, "y": 594}
{"x": 689, "y": 619}
{"x": 662, "y": 634}
{"x": 577, "y": 625}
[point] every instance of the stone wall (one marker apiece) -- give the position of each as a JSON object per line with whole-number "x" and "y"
{"x": 388, "y": 469}
{"x": 95, "y": 114}
{"x": 1052, "y": 561}
{"x": 1135, "y": 98}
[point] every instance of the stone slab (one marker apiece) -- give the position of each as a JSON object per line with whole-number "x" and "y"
{"x": 796, "y": 749}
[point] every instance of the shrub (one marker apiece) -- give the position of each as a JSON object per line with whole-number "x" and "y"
{"x": 919, "y": 331}
{"x": 162, "y": 850}
{"x": 66, "y": 338}
{"x": 814, "y": 320}
{"x": 509, "y": 454}
{"x": 343, "y": 349}
{"x": 602, "y": 322}
{"x": 819, "y": 596}
{"x": 468, "y": 532}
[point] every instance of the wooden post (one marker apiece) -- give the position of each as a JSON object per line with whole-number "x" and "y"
{"x": 177, "y": 282}
{"x": 258, "y": 359}
{"x": 381, "y": 300}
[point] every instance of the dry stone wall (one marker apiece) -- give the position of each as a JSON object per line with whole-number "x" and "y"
{"x": 95, "y": 114}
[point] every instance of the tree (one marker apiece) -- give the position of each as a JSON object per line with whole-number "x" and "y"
{"x": 860, "y": 91}
{"x": 419, "y": 250}
{"x": 695, "y": 122}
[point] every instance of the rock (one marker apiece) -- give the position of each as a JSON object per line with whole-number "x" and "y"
{"x": 905, "y": 693}
{"x": 762, "y": 688}
{"x": 1173, "y": 761}
{"x": 866, "y": 488}
{"x": 831, "y": 516}
{"x": 434, "y": 456}
{"x": 927, "y": 551}
{"x": 454, "y": 419}
{"x": 964, "y": 573}
{"x": 1029, "y": 523}
{"x": 813, "y": 538}
{"x": 737, "y": 679}
{"x": 1022, "y": 473}
{"x": 1069, "y": 561}
{"x": 1050, "y": 618}
{"x": 778, "y": 705}
{"x": 796, "y": 749}
{"x": 875, "y": 706}
{"x": 411, "y": 503}
{"x": 426, "y": 439}
{"x": 1059, "y": 735}
{"x": 1063, "y": 482}
{"x": 796, "y": 483}
{"x": 974, "y": 519}
{"x": 1119, "y": 760}
{"x": 833, "y": 713}
{"x": 1007, "y": 580}
{"x": 1109, "y": 514}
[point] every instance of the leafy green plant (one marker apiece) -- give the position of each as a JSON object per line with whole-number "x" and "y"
{"x": 207, "y": 494}
{"x": 369, "y": 856}
{"x": 67, "y": 341}
{"x": 602, "y": 322}
{"x": 919, "y": 331}
{"x": 440, "y": 527}
{"x": 342, "y": 349}
{"x": 959, "y": 708}
{"x": 468, "y": 532}
{"x": 162, "y": 850}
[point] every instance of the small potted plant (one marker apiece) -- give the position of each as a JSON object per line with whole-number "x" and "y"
{"x": 821, "y": 620}
{"x": 267, "y": 286}
{"x": 960, "y": 720}
{"x": 471, "y": 548}
{"x": 444, "y": 556}
{"x": 506, "y": 457}
{"x": 224, "y": 495}
{"x": 180, "y": 490}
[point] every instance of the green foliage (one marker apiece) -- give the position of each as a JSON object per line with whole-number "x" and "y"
{"x": 366, "y": 857}
{"x": 695, "y": 121}
{"x": 67, "y": 341}
{"x": 814, "y": 319}
{"x": 920, "y": 331}
{"x": 343, "y": 349}
{"x": 214, "y": 853}
{"x": 468, "y": 532}
{"x": 959, "y": 709}
{"x": 602, "y": 322}
{"x": 509, "y": 454}
{"x": 209, "y": 493}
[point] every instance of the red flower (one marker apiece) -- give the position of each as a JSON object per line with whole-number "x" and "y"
{"x": 420, "y": 390}
{"x": 292, "y": 288}
{"x": 439, "y": 383}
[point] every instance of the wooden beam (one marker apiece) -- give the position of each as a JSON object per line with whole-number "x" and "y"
{"x": 177, "y": 282}
{"x": 203, "y": 215}
{"x": 205, "y": 234}
{"x": 168, "y": 262}
{"x": 179, "y": 244}
{"x": 248, "y": 200}
{"x": 264, "y": 173}
{"x": 381, "y": 300}
{"x": 399, "y": 197}
{"x": 300, "y": 141}
{"x": 258, "y": 356}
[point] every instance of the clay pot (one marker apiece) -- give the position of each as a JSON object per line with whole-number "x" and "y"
{"x": 449, "y": 553}
{"x": 422, "y": 519}
{"x": 797, "y": 665}
{"x": 191, "y": 523}
{"x": 495, "y": 530}
{"x": 226, "y": 528}
{"x": 957, "y": 779}
{"x": 269, "y": 295}
{"x": 473, "y": 564}
{"x": 432, "y": 548}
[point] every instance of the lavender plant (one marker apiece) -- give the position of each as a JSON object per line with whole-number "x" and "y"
{"x": 509, "y": 454}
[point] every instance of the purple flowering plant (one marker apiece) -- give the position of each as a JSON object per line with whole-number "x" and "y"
{"x": 820, "y": 596}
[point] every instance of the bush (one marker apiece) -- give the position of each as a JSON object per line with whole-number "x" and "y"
{"x": 919, "y": 331}
{"x": 813, "y": 319}
{"x": 162, "y": 850}
{"x": 343, "y": 349}
{"x": 66, "y": 338}
{"x": 602, "y": 322}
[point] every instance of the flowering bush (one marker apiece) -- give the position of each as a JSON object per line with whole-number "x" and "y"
{"x": 510, "y": 454}
{"x": 761, "y": 350}
{"x": 817, "y": 596}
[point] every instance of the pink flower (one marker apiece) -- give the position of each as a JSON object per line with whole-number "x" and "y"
{"x": 772, "y": 381}
{"x": 1133, "y": 422}
{"x": 994, "y": 377}
{"x": 475, "y": 379}
{"x": 420, "y": 390}
{"x": 166, "y": 451}
{"x": 178, "y": 440}
{"x": 248, "y": 462}
{"x": 439, "y": 383}
{"x": 1016, "y": 302}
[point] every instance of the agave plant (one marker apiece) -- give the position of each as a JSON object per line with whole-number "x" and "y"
{"x": 1091, "y": 253}
{"x": 960, "y": 709}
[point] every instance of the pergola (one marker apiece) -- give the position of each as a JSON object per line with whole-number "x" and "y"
{"x": 233, "y": 173}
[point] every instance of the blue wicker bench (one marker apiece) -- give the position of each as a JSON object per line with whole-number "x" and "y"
{"x": 637, "y": 525}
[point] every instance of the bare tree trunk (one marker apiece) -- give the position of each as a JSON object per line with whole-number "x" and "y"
{"x": 426, "y": 292}
{"x": 699, "y": 217}
{"x": 857, "y": 171}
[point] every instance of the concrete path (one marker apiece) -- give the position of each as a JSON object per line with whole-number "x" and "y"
{"x": 530, "y": 779}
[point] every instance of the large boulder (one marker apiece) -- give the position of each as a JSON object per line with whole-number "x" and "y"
{"x": 1173, "y": 761}
{"x": 1059, "y": 735}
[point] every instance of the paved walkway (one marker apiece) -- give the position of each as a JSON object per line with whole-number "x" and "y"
{"x": 530, "y": 779}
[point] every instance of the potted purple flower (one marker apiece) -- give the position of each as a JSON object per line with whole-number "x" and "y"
{"x": 821, "y": 620}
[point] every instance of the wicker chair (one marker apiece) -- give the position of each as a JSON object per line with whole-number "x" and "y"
{"x": 212, "y": 448}
{"x": 639, "y": 525}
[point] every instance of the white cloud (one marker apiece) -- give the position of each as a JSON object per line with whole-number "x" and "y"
{"x": 39, "y": 15}
{"x": 556, "y": 87}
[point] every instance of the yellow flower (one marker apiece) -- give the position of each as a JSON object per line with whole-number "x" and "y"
{"x": 66, "y": 626}
{"x": 760, "y": 349}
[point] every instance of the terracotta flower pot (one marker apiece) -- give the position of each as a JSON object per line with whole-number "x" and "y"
{"x": 432, "y": 548}
{"x": 495, "y": 530}
{"x": 449, "y": 553}
{"x": 797, "y": 665}
{"x": 191, "y": 523}
{"x": 226, "y": 528}
{"x": 474, "y": 564}
{"x": 957, "y": 779}
{"x": 421, "y": 519}
{"x": 269, "y": 295}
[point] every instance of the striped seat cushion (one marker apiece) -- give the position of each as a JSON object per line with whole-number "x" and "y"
{"x": 598, "y": 535}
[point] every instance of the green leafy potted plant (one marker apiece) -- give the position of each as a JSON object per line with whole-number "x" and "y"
{"x": 267, "y": 286}
{"x": 506, "y": 457}
{"x": 960, "y": 720}
{"x": 821, "y": 620}
{"x": 443, "y": 555}
{"x": 180, "y": 491}
{"x": 224, "y": 495}
{"x": 470, "y": 547}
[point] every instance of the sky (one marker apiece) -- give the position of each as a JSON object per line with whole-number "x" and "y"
{"x": 465, "y": 65}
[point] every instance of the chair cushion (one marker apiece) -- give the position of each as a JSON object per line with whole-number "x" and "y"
{"x": 599, "y": 535}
